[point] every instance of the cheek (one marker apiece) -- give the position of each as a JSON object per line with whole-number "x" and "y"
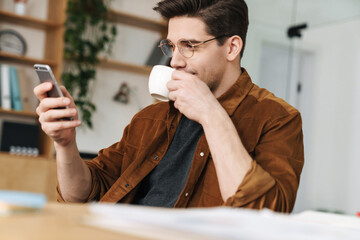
{"x": 209, "y": 66}
{"x": 214, "y": 66}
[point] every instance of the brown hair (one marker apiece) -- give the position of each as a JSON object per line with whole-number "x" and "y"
{"x": 228, "y": 17}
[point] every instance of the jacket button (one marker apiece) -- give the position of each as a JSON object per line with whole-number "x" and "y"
{"x": 186, "y": 194}
{"x": 156, "y": 158}
{"x": 202, "y": 154}
{"x": 127, "y": 185}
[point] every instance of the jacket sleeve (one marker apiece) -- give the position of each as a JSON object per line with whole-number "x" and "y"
{"x": 105, "y": 170}
{"x": 278, "y": 158}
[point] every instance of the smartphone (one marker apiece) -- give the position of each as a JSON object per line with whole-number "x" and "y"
{"x": 46, "y": 75}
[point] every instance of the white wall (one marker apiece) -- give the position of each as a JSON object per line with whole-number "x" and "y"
{"x": 333, "y": 154}
{"x": 353, "y": 176}
{"x": 258, "y": 34}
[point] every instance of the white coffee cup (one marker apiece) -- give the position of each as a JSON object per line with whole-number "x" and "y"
{"x": 158, "y": 79}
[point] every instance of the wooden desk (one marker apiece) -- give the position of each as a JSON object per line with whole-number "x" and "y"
{"x": 55, "y": 221}
{"x": 65, "y": 221}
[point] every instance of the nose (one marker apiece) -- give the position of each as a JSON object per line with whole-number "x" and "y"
{"x": 177, "y": 60}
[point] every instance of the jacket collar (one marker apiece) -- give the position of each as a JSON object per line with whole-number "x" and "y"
{"x": 232, "y": 98}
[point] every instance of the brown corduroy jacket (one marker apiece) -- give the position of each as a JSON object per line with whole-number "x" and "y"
{"x": 269, "y": 128}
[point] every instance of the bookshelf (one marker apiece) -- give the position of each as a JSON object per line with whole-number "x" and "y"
{"x": 53, "y": 29}
{"x": 26, "y": 21}
{"x": 18, "y": 113}
{"x": 136, "y": 21}
{"x": 123, "y": 66}
{"x": 12, "y": 58}
{"x": 37, "y": 174}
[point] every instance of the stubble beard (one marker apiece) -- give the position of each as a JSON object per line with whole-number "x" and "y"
{"x": 212, "y": 81}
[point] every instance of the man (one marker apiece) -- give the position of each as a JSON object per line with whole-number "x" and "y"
{"x": 221, "y": 140}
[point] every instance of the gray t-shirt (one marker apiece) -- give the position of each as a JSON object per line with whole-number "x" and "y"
{"x": 164, "y": 184}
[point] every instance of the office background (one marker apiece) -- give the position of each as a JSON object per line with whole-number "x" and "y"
{"x": 324, "y": 62}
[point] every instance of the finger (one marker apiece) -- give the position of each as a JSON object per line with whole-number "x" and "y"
{"x": 51, "y": 103}
{"x": 41, "y": 90}
{"x": 172, "y": 85}
{"x": 67, "y": 94}
{"x": 53, "y": 127}
{"x": 172, "y": 96}
{"x": 57, "y": 114}
{"x": 179, "y": 75}
{"x": 176, "y": 105}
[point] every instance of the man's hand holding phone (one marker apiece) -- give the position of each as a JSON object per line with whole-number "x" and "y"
{"x": 55, "y": 110}
{"x": 58, "y": 116}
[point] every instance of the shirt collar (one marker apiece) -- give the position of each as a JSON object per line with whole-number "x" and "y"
{"x": 232, "y": 98}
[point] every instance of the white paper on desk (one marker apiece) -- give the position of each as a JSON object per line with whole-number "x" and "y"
{"x": 329, "y": 219}
{"x": 212, "y": 223}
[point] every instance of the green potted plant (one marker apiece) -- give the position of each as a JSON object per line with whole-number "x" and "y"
{"x": 88, "y": 33}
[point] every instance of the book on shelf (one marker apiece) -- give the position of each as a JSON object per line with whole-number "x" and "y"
{"x": 5, "y": 87}
{"x": 16, "y": 88}
{"x": 16, "y": 103}
{"x": 28, "y": 81}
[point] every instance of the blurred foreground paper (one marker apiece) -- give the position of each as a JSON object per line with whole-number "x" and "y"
{"x": 16, "y": 201}
{"x": 221, "y": 223}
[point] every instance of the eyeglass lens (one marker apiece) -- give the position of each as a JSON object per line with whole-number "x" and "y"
{"x": 166, "y": 47}
{"x": 185, "y": 48}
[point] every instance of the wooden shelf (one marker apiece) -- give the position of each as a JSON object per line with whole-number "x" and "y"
{"x": 8, "y": 156}
{"x": 128, "y": 67}
{"x": 19, "y": 113}
{"x": 26, "y": 21}
{"x": 137, "y": 21}
{"x": 13, "y": 58}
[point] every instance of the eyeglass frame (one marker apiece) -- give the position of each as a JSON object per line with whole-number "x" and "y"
{"x": 193, "y": 45}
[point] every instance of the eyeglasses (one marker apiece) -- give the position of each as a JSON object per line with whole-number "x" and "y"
{"x": 186, "y": 47}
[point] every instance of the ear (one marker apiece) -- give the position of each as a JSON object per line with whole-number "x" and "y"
{"x": 235, "y": 44}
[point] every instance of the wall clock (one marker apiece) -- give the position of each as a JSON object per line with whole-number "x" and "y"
{"x": 12, "y": 42}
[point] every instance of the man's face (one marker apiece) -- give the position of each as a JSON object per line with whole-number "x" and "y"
{"x": 208, "y": 61}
